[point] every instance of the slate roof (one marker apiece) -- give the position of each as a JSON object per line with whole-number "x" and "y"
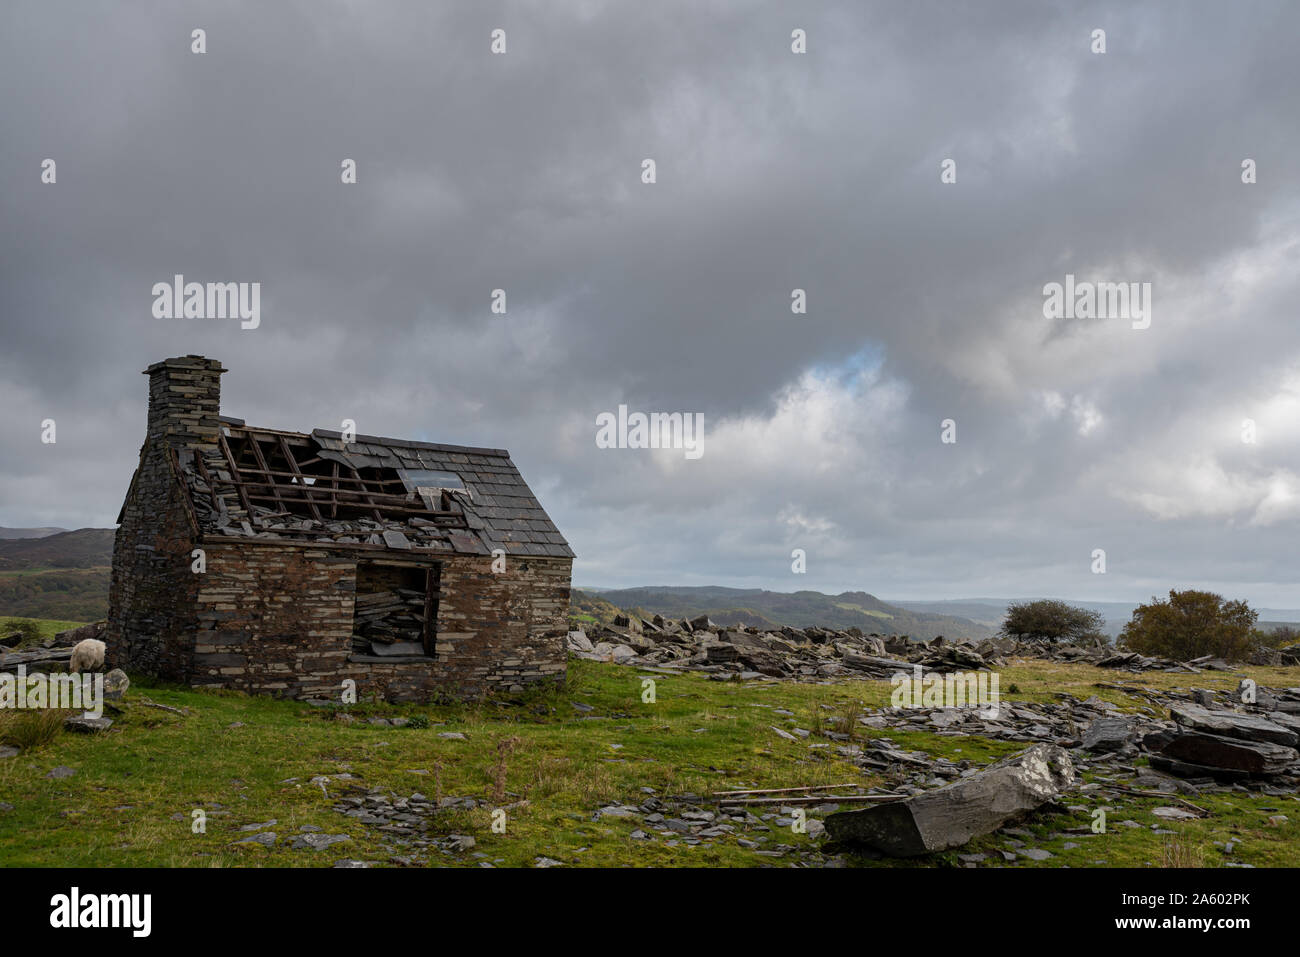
{"x": 256, "y": 484}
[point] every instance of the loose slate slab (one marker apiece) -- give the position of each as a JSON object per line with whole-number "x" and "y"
{"x": 1230, "y": 754}
{"x": 951, "y": 815}
{"x": 86, "y": 723}
{"x": 1109, "y": 734}
{"x": 1185, "y": 769}
{"x": 1233, "y": 725}
{"x": 318, "y": 842}
{"x": 1281, "y": 718}
{"x": 395, "y": 539}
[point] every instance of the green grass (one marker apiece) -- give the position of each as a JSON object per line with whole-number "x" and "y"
{"x": 699, "y": 736}
{"x": 49, "y": 627}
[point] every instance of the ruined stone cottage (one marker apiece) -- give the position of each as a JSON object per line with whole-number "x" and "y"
{"x": 286, "y": 562}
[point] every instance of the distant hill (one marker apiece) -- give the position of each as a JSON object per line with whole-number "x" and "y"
{"x": 990, "y": 611}
{"x": 63, "y": 575}
{"x": 591, "y": 609}
{"x": 68, "y": 594}
{"x": 84, "y": 548}
{"x": 7, "y": 533}
{"x": 769, "y": 609}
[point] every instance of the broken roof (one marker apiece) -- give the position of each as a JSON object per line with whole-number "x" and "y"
{"x": 392, "y": 493}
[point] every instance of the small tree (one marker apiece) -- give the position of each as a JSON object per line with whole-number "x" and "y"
{"x": 1052, "y": 620}
{"x": 29, "y": 632}
{"x": 1191, "y": 624}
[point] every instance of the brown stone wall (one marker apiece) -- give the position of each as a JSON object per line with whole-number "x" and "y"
{"x": 277, "y": 619}
{"x": 503, "y": 630}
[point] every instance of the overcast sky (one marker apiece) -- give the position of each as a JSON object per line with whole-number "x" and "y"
{"x": 775, "y": 171}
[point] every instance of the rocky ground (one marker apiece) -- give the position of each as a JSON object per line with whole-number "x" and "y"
{"x": 1167, "y": 759}
{"x": 1195, "y": 742}
{"x": 1103, "y": 743}
{"x": 814, "y": 654}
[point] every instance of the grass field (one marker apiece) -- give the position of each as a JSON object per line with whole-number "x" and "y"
{"x": 49, "y": 628}
{"x": 49, "y": 592}
{"x": 247, "y": 760}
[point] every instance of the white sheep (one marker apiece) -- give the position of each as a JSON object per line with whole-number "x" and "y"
{"x": 88, "y": 655}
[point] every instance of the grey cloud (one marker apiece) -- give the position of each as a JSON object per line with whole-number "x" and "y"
{"x": 775, "y": 172}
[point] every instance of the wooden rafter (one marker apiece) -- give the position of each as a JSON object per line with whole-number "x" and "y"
{"x": 357, "y": 475}
{"x": 259, "y": 479}
{"x": 234, "y": 476}
{"x": 288, "y": 454}
{"x": 261, "y": 461}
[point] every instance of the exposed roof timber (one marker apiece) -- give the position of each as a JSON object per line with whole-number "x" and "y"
{"x": 289, "y": 488}
{"x": 267, "y": 485}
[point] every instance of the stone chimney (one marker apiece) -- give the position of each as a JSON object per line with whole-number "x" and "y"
{"x": 185, "y": 402}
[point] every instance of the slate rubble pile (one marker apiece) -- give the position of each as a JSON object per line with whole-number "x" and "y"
{"x": 1092, "y": 736}
{"x": 1207, "y": 734}
{"x": 814, "y": 653}
{"x": 1203, "y": 734}
{"x": 389, "y": 622}
{"x": 1177, "y": 743}
{"x": 407, "y": 822}
{"x": 1231, "y": 744}
{"x": 1097, "y": 737}
{"x": 407, "y": 819}
{"x": 692, "y": 820}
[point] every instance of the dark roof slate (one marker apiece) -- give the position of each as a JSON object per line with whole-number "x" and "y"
{"x": 499, "y": 509}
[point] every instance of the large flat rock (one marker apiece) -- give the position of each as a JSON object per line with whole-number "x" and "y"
{"x": 1232, "y": 724}
{"x": 1259, "y": 758}
{"x": 951, "y": 815}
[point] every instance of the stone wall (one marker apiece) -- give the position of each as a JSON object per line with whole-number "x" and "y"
{"x": 273, "y": 618}
{"x": 152, "y": 590}
{"x": 277, "y": 619}
{"x": 503, "y": 629}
